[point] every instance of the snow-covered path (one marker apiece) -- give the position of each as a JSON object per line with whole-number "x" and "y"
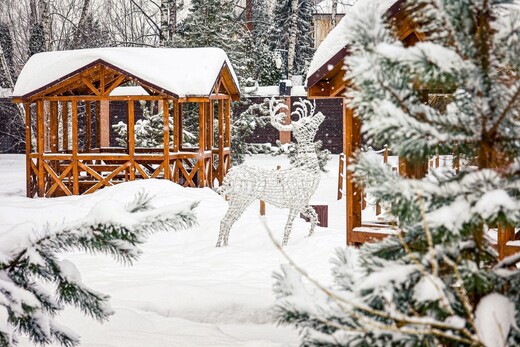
{"x": 184, "y": 291}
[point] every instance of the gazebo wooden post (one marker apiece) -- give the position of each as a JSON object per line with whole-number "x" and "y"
{"x": 65, "y": 122}
{"x": 177, "y": 137}
{"x": 221, "y": 172}
{"x": 131, "y": 139}
{"x": 166, "y": 140}
{"x": 202, "y": 145}
{"x": 40, "y": 145}
{"x": 98, "y": 121}
{"x": 28, "y": 149}
{"x": 227, "y": 116}
{"x": 88, "y": 125}
{"x": 210, "y": 140}
{"x": 352, "y": 142}
{"x": 53, "y": 126}
{"x": 74, "y": 130}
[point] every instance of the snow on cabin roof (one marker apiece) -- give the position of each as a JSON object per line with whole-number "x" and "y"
{"x": 336, "y": 40}
{"x": 270, "y": 91}
{"x": 325, "y": 7}
{"x": 180, "y": 72}
{"x": 129, "y": 91}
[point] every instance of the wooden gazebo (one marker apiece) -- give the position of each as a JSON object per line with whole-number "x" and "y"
{"x": 67, "y": 97}
{"x": 326, "y": 79}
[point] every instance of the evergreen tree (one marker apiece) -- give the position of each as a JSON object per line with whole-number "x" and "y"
{"x": 35, "y": 286}
{"x": 6, "y": 44}
{"x": 212, "y": 23}
{"x": 36, "y": 39}
{"x": 281, "y": 30}
{"x": 438, "y": 281}
{"x": 265, "y": 71}
{"x": 149, "y": 131}
{"x": 254, "y": 117}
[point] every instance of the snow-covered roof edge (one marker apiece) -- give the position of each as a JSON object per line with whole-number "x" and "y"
{"x": 179, "y": 72}
{"x": 270, "y": 91}
{"x": 334, "y": 48}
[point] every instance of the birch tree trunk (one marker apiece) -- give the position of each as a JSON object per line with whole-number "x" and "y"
{"x": 46, "y": 23}
{"x": 334, "y": 12}
{"x": 164, "y": 33}
{"x": 78, "y": 35}
{"x": 172, "y": 8}
{"x": 293, "y": 31}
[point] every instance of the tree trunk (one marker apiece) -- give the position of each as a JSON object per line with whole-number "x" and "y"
{"x": 172, "y": 8}
{"x": 78, "y": 35}
{"x": 164, "y": 33}
{"x": 46, "y": 23}
{"x": 293, "y": 30}
{"x": 334, "y": 12}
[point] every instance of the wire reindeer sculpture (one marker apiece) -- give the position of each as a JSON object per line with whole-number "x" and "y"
{"x": 288, "y": 188}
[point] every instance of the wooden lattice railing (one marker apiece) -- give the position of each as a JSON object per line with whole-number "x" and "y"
{"x": 57, "y": 174}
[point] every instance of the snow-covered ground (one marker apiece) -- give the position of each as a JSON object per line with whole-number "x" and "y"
{"x": 184, "y": 291}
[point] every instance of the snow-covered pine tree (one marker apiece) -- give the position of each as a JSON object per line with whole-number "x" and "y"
{"x": 266, "y": 73}
{"x": 35, "y": 285}
{"x": 149, "y": 131}
{"x": 438, "y": 281}
{"x": 255, "y": 116}
{"x": 213, "y": 23}
{"x": 281, "y": 32}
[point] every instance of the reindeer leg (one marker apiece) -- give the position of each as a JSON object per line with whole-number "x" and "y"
{"x": 309, "y": 212}
{"x": 288, "y": 227}
{"x": 235, "y": 210}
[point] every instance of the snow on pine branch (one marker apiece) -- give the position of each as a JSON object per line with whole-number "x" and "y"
{"x": 29, "y": 265}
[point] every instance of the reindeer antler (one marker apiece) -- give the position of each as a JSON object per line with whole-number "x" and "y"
{"x": 304, "y": 109}
{"x": 277, "y": 116}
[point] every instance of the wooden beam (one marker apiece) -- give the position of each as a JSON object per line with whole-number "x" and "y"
{"x": 353, "y": 201}
{"x": 202, "y": 144}
{"x": 166, "y": 140}
{"x": 177, "y": 126}
{"x": 53, "y": 125}
{"x": 27, "y": 109}
{"x": 65, "y": 123}
{"x": 98, "y": 124}
{"x": 88, "y": 125}
{"x": 75, "y": 171}
{"x": 221, "y": 167}
{"x": 131, "y": 138}
{"x": 40, "y": 110}
{"x": 114, "y": 85}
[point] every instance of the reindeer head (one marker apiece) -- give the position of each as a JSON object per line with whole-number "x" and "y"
{"x": 304, "y": 129}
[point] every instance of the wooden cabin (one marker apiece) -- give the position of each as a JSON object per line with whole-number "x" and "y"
{"x": 326, "y": 79}
{"x": 67, "y": 98}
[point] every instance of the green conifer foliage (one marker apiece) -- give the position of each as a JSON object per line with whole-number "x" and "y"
{"x": 438, "y": 281}
{"x": 304, "y": 41}
{"x": 35, "y": 285}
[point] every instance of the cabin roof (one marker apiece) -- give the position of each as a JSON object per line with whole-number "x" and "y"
{"x": 335, "y": 46}
{"x": 179, "y": 72}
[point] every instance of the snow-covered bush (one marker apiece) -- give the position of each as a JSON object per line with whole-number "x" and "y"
{"x": 35, "y": 285}
{"x": 438, "y": 281}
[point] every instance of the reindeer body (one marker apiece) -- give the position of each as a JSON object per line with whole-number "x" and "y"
{"x": 289, "y": 188}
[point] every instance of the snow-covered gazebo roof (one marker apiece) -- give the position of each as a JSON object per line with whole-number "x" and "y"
{"x": 335, "y": 46}
{"x": 178, "y": 72}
